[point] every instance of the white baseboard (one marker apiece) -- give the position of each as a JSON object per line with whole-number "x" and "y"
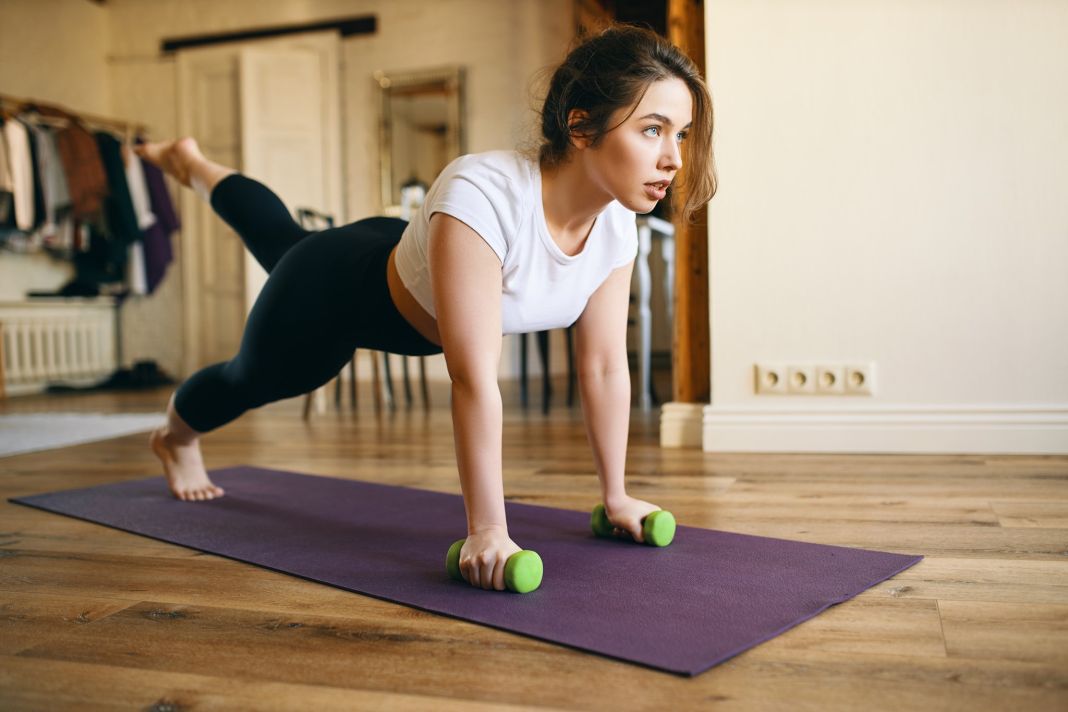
{"x": 680, "y": 424}
{"x": 978, "y": 429}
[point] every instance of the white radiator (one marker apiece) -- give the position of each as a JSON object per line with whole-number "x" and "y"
{"x": 56, "y": 341}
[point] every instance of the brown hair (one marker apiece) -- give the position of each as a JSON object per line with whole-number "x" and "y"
{"x": 612, "y": 69}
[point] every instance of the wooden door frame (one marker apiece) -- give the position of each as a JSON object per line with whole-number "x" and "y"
{"x": 690, "y": 354}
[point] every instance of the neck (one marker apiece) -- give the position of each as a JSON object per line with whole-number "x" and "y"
{"x": 570, "y": 200}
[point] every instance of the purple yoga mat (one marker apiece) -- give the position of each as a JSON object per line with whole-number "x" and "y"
{"x": 705, "y": 598}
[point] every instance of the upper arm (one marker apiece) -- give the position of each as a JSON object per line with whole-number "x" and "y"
{"x": 466, "y": 277}
{"x": 601, "y": 331}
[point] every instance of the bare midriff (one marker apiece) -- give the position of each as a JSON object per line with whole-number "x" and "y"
{"x": 410, "y": 309}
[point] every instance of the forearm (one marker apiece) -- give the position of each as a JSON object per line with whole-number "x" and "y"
{"x": 476, "y": 419}
{"x": 606, "y": 405}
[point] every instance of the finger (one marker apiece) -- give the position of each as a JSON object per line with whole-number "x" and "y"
{"x": 465, "y": 569}
{"x": 474, "y": 574}
{"x": 486, "y": 570}
{"x": 498, "y": 575}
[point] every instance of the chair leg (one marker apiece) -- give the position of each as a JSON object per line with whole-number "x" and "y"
{"x": 352, "y": 382}
{"x": 570, "y": 366}
{"x": 3, "y": 391}
{"x": 307, "y": 405}
{"x": 546, "y": 383}
{"x": 376, "y": 385}
{"x": 387, "y": 375}
{"x": 407, "y": 382}
{"x": 422, "y": 382}
{"x": 523, "y": 370}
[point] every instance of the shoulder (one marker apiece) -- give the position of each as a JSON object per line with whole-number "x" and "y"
{"x": 496, "y": 181}
{"x": 500, "y": 167}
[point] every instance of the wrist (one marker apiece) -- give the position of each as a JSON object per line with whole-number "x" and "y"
{"x": 486, "y": 528}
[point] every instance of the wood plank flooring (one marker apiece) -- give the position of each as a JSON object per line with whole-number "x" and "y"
{"x": 94, "y": 618}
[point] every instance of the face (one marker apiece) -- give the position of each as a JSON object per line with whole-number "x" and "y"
{"x": 646, "y": 149}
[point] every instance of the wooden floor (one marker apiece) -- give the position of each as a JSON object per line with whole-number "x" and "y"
{"x": 95, "y": 618}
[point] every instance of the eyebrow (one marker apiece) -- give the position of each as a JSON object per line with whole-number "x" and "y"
{"x": 662, "y": 118}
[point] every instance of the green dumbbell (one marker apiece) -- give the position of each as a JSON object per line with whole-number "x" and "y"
{"x": 658, "y": 527}
{"x": 522, "y": 571}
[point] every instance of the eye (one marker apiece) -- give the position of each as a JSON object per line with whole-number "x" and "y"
{"x": 652, "y": 128}
{"x": 682, "y": 135}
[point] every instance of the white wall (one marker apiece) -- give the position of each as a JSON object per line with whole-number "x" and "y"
{"x": 893, "y": 189}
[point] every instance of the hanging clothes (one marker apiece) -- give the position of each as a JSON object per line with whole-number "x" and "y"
{"x": 21, "y": 164}
{"x": 59, "y": 240}
{"x": 7, "y": 187}
{"x": 136, "y": 276}
{"x": 80, "y": 155}
{"x": 110, "y": 238}
{"x": 157, "y": 238}
{"x": 35, "y": 173}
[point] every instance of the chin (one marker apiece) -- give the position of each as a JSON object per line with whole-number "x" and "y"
{"x": 641, "y": 207}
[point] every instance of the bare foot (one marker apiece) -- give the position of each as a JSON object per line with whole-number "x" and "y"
{"x": 173, "y": 157}
{"x": 184, "y": 467}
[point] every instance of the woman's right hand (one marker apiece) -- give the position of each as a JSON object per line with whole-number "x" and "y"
{"x": 484, "y": 555}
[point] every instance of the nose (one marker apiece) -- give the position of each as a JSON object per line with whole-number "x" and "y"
{"x": 671, "y": 156}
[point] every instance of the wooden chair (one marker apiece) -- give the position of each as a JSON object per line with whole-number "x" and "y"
{"x": 382, "y": 388}
{"x": 542, "y": 341}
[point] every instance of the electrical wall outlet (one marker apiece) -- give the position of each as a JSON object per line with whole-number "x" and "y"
{"x": 827, "y": 379}
{"x": 770, "y": 378}
{"x": 860, "y": 379}
{"x": 801, "y": 379}
{"x": 830, "y": 380}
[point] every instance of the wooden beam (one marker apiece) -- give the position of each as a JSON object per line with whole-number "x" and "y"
{"x": 364, "y": 25}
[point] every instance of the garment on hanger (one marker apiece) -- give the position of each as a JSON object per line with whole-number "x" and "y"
{"x": 157, "y": 238}
{"x": 80, "y": 154}
{"x": 7, "y": 186}
{"x": 39, "y": 216}
{"x": 21, "y": 164}
{"x": 136, "y": 277}
{"x": 58, "y": 240}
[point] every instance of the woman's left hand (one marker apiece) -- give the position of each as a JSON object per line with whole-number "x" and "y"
{"x": 626, "y": 514}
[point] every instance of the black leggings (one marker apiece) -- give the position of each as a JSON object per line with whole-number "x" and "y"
{"x": 325, "y": 296}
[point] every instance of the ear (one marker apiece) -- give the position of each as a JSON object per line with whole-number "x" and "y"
{"x": 573, "y": 117}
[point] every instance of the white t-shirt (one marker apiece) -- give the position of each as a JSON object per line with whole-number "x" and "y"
{"x": 498, "y": 194}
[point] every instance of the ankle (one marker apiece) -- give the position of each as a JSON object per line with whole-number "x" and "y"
{"x": 171, "y": 438}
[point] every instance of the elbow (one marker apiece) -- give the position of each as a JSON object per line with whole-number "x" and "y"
{"x": 476, "y": 385}
{"x": 603, "y": 369}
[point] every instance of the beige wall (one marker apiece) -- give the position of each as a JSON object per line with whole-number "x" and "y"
{"x": 893, "y": 181}
{"x": 52, "y": 51}
{"x": 118, "y": 71}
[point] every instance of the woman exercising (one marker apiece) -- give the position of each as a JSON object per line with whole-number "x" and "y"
{"x": 504, "y": 243}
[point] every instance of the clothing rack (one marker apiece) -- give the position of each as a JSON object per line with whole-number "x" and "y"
{"x": 13, "y": 104}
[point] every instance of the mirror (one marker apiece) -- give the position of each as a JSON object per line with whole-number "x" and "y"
{"x": 421, "y": 131}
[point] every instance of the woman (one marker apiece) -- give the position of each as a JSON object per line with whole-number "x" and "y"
{"x": 504, "y": 243}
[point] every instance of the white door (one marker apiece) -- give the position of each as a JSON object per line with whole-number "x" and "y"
{"x": 210, "y": 255}
{"x": 270, "y": 109}
{"x": 290, "y": 139}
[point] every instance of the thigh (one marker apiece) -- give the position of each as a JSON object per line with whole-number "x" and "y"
{"x": 298, "y": 336}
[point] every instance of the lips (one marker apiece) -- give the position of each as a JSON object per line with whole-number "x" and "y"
{"x": 657, "y": 190}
